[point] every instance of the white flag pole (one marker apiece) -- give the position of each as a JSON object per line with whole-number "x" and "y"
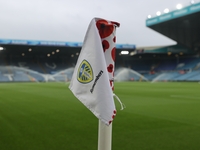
{"x": 104, "y": 136}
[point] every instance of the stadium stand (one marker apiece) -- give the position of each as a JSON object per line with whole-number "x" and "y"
{"x": 122, "y": 74}
{"x": 166, "y": 65}
{"x": 3, "y": 78}
{"x": 20, "y": 76}
{"x": 182, "y": 26}
{"x": 150, "y": 77}
{"x": 188, "y": 76}
{"x": 166, "y": 70}
{"x": 42, "y": 63}
{"x": 192, "y": 64}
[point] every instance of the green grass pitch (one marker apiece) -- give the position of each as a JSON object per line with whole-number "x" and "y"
{"x": 46, "y": 116}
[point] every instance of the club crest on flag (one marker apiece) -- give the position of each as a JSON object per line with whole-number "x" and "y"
{"x": 85, "y": 72}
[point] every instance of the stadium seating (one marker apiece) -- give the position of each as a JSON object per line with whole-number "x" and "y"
{"x": 150, "y": 76}
{"x": 36, "y": 77}
{"x": 187, "y": 76}
{"x": 126, "y": 74}
{"x": 141, "y": 65}
{"x": 3, "y": 78}
{"x": 25, "y": 70}
{"x": 191, "y": 64}
{"x": 166, "y": 65}
{"x": 195, "y": 78}
{"x": 167, "y": 76}
{"x": 20, "y": 76}
{"x": 64, "y": 75}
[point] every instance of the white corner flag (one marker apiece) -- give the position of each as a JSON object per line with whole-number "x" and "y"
{"x": 92, "y": 81}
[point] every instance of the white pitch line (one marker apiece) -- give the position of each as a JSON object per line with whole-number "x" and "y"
{"x": 180, "y": 96}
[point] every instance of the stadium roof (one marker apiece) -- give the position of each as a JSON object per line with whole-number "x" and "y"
{"x": 54, "y": 43}
{"x": 182, "y": 26}
{"x": 48, "y": 49}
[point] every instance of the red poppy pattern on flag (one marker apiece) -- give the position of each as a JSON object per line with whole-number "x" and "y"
{"x": 108, "y": 38}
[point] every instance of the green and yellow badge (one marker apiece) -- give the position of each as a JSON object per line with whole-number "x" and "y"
{"x": 85, "y": 72}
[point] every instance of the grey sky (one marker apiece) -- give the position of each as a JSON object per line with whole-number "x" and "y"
{"x": 67, "y": 20}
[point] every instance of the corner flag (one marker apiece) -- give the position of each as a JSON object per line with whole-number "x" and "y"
{"x": 92, "y": 80}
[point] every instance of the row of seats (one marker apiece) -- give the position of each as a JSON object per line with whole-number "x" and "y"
{"x": 19, "y": 74}
{"x": 186, "y": 70}
{"x": 174, "y": 76}
{"x": 165, "y": 64}
{"x": 41, "y": 66}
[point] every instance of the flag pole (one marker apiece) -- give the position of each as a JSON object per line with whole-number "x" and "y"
{"x": 104, "y": 136}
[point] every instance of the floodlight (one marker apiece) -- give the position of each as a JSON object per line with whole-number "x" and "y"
{"x": 169, "y": 53}
{"x": 166, "y": 10}
{"x": 192, "y": 2}
{"x": 132, "y": 53}
{"x": 72, "y": 55}
{"x": 1, "y": 48}
{"x": 179, "y": 6}
{"x": 158, "y": 13}
{"x": 149, "y": 16}
{"x": 57, "y": 50}
{"x": 124, "y": 52}
{"x": 48, "y": 55}
{"x": 181, "y": 53}
{"x": 23, "y": 54}
{"x": 53, "y": 53}
{"x": 29, "y": 49}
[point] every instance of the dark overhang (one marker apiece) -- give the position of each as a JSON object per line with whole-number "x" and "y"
{"x": 182, "y": 26}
